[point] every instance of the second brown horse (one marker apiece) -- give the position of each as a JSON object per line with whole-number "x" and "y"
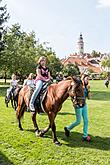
{"x": 56, "y": 95}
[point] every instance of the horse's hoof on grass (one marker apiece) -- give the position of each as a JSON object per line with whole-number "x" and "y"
{"x": 21, "y": 129}
{"x": 57, "y": 143}
{"x": 37, "y": 133}
{"x": 41, "y": 133}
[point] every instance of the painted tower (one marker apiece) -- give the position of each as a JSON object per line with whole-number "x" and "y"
{"x": 80, "y": 45}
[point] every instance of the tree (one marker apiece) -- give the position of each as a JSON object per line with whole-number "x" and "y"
{"x": 95, "y": 54}
{"x": 53, "y": 62}
{"x": 3, "y": 14}
{"x": 106, "y": 62}
{"x": 70, "y": 70}
{"x": 3, "y": 18}
{"x": 20, "y": 52}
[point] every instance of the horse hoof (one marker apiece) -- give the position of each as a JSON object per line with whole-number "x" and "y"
{"x": 41, "y": 133}
{"x": 57, "y": 143}
{"x": 21, "y": 129}
{"x": 37, "y": 133}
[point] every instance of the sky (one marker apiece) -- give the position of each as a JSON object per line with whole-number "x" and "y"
{"x": 60, "y": 23}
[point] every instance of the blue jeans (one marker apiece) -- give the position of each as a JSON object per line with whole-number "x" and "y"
{"x": 39, "y": 85}
{"x": 81, "y": 112}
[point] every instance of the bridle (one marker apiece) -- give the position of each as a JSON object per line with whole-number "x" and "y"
{"x": 75, "y": 99}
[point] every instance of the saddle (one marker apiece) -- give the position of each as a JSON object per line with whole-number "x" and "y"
{"x": 40, "y": 98}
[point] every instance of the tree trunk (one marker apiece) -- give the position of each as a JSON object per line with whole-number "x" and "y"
{"x": 5, "y": 76}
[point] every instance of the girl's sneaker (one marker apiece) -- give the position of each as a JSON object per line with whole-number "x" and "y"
{"x": 67, "y": 132}
{"x": 88, "y": 139}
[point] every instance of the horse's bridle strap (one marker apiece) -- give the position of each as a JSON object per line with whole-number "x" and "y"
{"x": 79, "y": 97}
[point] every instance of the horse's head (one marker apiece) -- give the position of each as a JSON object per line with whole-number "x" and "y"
{"x": 76, "y": 92}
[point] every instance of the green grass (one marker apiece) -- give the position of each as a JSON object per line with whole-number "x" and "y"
{"x": 23, "y": 148}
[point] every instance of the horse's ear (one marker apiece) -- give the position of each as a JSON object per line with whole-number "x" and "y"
{"x": 76, "y": 80}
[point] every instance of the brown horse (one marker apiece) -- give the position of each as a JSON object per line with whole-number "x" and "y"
{"x": 56, "y": 95}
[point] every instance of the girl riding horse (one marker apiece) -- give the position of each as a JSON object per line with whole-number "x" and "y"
{"x": 12, "y": 92}
{"x": 43, "y": 75}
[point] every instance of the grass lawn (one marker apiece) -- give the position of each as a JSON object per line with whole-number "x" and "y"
{"x": 23, "y": 148}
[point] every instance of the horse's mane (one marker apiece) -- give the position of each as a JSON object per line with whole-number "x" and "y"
{"x": 74, "y": 78}
{"x": 69, "y": 78}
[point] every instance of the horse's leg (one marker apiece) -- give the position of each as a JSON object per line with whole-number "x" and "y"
{"x": 6, "y": 101}
{"x": 19, "y": 117}
{"x": 15, "y": 104}
{"x": 35, "y": 123}
{"x": 52, "y": 116}
{"x": 12, "y": 102}
{"x": 20, "y": 111}
{"x": 42, "y": 132}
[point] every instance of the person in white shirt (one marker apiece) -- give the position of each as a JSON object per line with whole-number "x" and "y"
{"x": 13, "y": 86}
{"x": 29, "y": 81}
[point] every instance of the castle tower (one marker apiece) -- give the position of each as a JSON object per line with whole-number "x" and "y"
{"x": 80, "y": 45}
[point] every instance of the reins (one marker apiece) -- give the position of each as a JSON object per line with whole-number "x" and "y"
{"x": 79, "y": 97}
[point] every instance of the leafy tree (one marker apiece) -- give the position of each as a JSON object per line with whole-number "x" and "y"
{"x": 53, "y": 62}
{"x": 3, "y": 14}
{"x": 22, "y": 51}
{"x": 19, "y": 54}
{"x": 106, "y": 62}
{"x": 70, "y": 70}
{"x": 103, "y": 75}
{"x": 95, "y": 54}
{"x": 3, "y": 18}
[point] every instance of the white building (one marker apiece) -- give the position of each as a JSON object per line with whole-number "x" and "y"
{"x": 80, "y": 45}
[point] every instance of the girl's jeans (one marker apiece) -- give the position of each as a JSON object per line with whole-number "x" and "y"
{"x": 39, "y": 85}
{"x": 81, "y": 112}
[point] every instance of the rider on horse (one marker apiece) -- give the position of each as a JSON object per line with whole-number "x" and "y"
{"x": 29, "y": 81}
{"x": 13, "y": 86}
{"x": 43, "y": 75}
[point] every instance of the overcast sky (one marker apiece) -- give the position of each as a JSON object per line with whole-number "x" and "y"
{"x": 60, "y": 22}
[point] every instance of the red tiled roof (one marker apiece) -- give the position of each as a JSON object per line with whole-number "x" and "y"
{"x": 84, "y": 62}
{"x": 95, "y": 69}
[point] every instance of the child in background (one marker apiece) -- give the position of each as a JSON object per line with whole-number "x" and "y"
{"x": 13, "y": 86}
{"x": 29, "y": 81}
